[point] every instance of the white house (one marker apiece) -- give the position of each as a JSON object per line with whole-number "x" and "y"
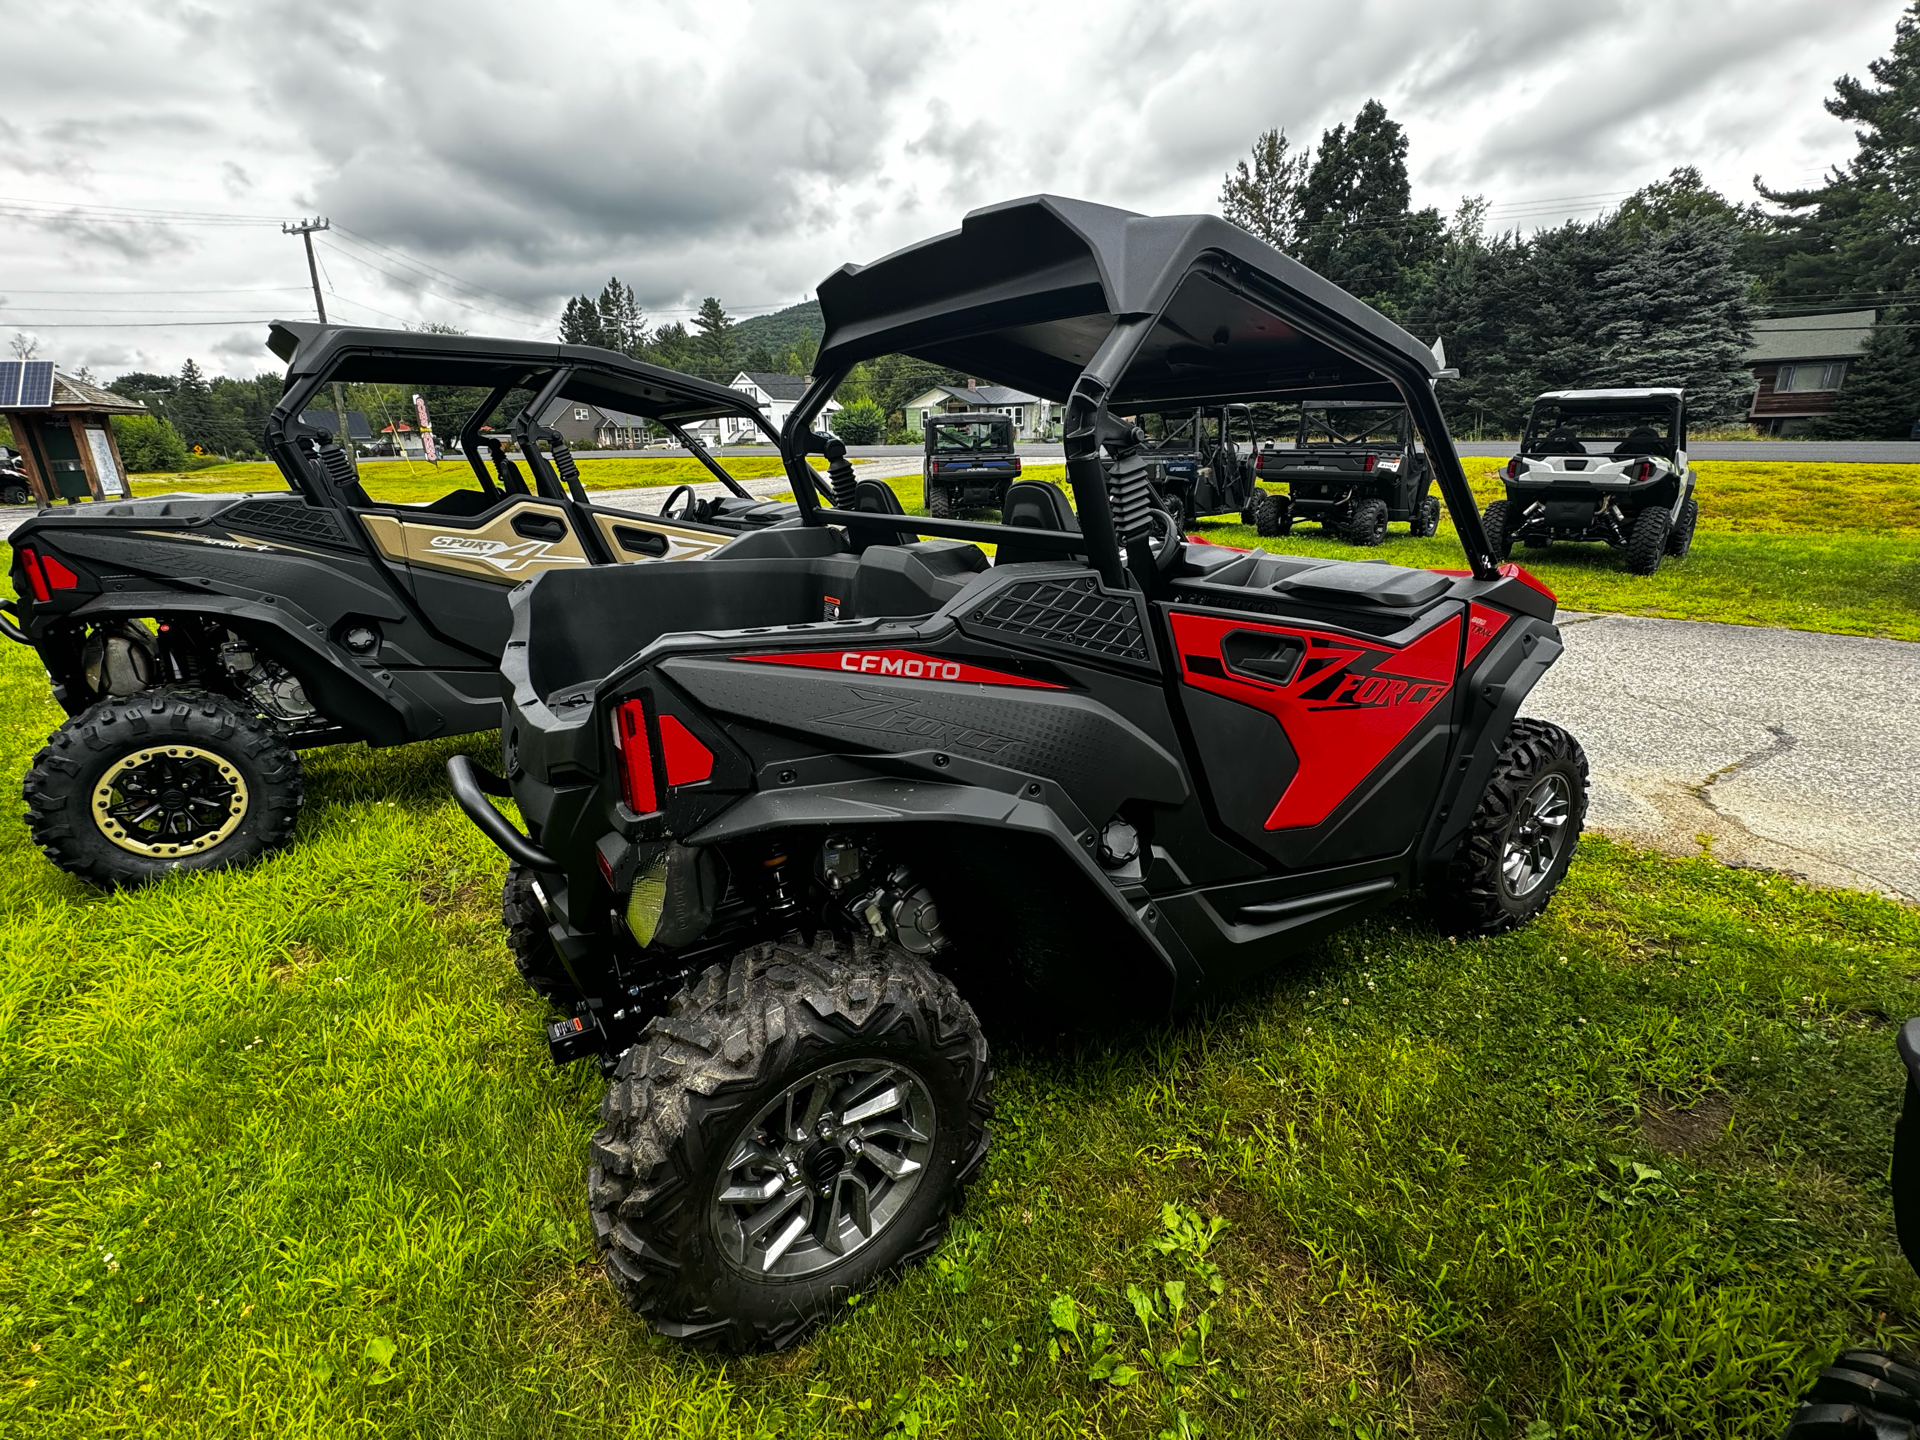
{"x": 776, "y": 396}
{"x": 1032, "y": 416}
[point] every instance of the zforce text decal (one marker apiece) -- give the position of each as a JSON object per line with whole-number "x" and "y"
{"x": 1345, "y": 707}
{"x": 904, "y": 664}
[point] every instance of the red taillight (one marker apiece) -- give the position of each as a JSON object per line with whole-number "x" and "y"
{"x": 1513, "y": 468}
{"x": 1016, "y": 465}
{"x": 1368, "y": 464}
{"x": 636, "y": 757}
{"x": 45, "y": 574}
{"x": 1259, "y": 463}
{"x": 1642, "y": 470}
{"x": 688, "y": 761}
{"x": 34, "y": 577}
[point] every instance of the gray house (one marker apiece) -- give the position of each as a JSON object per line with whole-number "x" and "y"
{"x": 588, "y": 427}
{"x": 1800, "y": 364}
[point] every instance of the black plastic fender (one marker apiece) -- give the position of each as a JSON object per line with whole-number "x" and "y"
{"x": 902, "y": 802}
{"x": 1498, "y": 685}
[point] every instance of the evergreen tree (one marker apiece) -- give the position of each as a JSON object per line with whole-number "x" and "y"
{"x": 1674, "y": 312}
{"x": 191, "y": 408}
{"x": 1264, "y": 199}
{"x": 1881, "y": 397}
{"x": 1356, "y": 224}
{"x": 673, "y": 348}
{"x": 580, "y": 323}
{"x": 1857, "y": 237}
{"x": 622, "y": 324}
{"x": 716, "y": 352}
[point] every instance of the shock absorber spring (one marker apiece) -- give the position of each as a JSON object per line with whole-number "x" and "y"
{"x": 782, "y": 908}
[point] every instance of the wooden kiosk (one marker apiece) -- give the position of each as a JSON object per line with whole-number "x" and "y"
{"x": 63, "y": 431}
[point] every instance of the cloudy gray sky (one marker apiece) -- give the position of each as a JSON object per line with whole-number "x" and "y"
{"x": 485, "y": 159}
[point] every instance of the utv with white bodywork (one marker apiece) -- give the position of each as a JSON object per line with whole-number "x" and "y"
{"x": 1605, "y": 465}
{"x": 199, "y": 641}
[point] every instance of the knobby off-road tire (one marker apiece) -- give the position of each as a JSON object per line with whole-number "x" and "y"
{"x": 1517, "y": 847}
{"x": 530, "y": 940}
{"x": 1493, "y": 520}
{"x": 1426, "y": 519}
{"x": 137, "y": 787}
{"x": 1648, "y": 542}
{"x": 797, "y": 1083}
{"x": 940, "y": 502}
{"x": 1680, "y": 538}
{"x": 1270, "y": 517}
{"x": 1369, "y": 523}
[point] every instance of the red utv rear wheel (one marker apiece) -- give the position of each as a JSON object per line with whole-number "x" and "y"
{"x": 797, "y": 1127}
{"x": 530, "y": 940}
{"x": 1516, "y": 851}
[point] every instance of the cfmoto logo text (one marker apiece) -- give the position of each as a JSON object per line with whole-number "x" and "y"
{"x": 913, "y": 667}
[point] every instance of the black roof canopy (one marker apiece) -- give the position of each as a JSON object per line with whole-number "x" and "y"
{"x": 1026, "y": 292}
{"x": 603, "y": 378}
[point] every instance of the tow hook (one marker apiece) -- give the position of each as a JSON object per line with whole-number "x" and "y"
{"x": 575, "y": 1039}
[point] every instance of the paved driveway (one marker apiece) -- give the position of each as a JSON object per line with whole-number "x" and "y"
{"x": 1791, "y": 750}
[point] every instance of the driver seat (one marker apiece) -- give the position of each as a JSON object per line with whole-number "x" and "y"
{"x": 1034, "y": 505}
{"x": 877, "y": 498}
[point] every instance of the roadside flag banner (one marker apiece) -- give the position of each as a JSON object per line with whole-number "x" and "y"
{"x": 426, "y": 429}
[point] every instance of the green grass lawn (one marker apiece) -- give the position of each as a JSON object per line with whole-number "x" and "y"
{"x": 285, "y": 1157}
{"x": 1812, "y": 547}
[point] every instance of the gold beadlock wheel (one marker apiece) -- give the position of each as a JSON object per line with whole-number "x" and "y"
{"x": 165, "y": 801}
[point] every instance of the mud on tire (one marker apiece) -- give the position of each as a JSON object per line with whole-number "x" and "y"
{"x": 1515, "y": 852}
{"x": 686, "y": 1123}
{"x": 226, "y": 786}
{"x": 530, "y": 941}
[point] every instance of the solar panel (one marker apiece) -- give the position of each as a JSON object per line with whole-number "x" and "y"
{"x": 10, "y": 382}
{"x": 36, "y": 383}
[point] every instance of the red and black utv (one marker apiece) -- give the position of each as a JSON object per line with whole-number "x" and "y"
{"x": 794, "y": 811}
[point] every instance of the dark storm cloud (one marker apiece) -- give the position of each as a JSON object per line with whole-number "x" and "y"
{"x": 746, "y": 148}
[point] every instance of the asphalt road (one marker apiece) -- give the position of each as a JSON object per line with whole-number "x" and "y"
{"x": 1824, "y": 452}
{"x": 1789, "y": 750}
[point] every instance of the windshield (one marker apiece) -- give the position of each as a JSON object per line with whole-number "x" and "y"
{"x": 1356, "y": 425}
{"x": 1571, "y": 428}
{"x": 967, "y": 437}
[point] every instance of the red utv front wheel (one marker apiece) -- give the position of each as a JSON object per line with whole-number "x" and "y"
{"x": 1515, "y": 853}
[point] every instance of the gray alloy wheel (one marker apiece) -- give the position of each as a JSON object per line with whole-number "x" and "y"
{"x": 824, "y": 1169}
{"x": 1538, "y": 835}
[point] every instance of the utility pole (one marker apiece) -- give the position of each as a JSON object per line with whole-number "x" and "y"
{"x": 305, "y": 231}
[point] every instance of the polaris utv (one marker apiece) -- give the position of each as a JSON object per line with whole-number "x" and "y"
{"x": 970, "y": 462}
{"x": 1355, "y": 467}
{"x": 794, "y": 811}
{"x": 1199, "y": 469}
{"x": 1606, "y": 465}
{"x": 198, "y": 641}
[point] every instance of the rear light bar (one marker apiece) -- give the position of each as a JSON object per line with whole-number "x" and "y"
{"x": 635, "y": 747}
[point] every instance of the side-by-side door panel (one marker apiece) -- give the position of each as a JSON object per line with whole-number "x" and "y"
{"x": 461, "y": 567}
{"x": 1319, "y": 747}
{"x": 631, "y": 537}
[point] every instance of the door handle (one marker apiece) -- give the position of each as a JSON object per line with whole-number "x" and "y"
{"x": 1263, "y": 656}
{"x": 540, "y": 527}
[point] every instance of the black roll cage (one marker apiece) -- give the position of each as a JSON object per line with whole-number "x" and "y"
{"x": 319, "y": 355}
{"x": 1675, "y": 406}
{"x": 896, "y": 305}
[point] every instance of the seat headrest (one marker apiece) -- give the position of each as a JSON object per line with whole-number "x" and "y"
{"x": 877, "y": 498}
{"x": 1038, "y": 505}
